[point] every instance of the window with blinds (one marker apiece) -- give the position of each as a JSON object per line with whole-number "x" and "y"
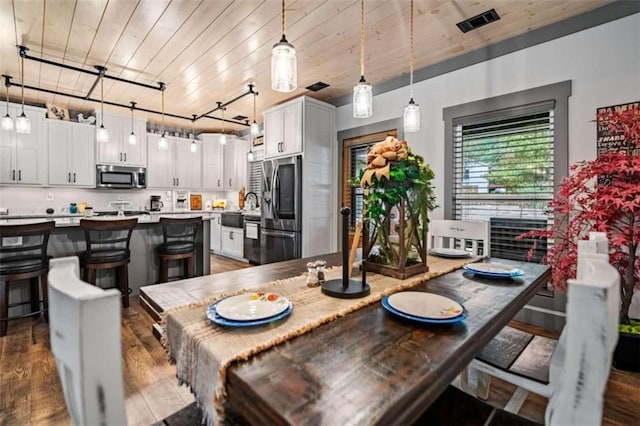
{"x": 358, "y": 162}
{"x": 504, "y": 173}
{"x": 255, "y": 178}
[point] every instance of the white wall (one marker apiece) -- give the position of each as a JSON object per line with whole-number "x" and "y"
{"x": 603, "y": 63}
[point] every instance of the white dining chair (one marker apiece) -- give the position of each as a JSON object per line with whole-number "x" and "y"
{"x": 458, "y": 233}
{"x": 581, "y": 361}
{"x": 84, "y": 323}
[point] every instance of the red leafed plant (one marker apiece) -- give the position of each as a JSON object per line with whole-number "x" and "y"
{"x": 582, "y": 205}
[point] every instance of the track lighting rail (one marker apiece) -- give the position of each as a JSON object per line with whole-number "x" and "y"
{"x": 101, "y": 72}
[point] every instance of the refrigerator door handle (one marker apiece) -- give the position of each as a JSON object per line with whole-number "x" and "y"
{"x": 284, "y": 234}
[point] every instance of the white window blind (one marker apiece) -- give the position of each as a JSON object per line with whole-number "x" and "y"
{"x": 255, "y": 178}
{"x": 504, "y": 173}
{"x": 358, "y": 157}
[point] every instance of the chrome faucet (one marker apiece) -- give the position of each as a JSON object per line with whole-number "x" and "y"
{"x": 256, "y": 197}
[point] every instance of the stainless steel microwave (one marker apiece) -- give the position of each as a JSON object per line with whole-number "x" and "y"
{"x": 121, "y": 177}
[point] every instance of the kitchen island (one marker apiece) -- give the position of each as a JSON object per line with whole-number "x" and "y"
{"x": 67, "y": 239}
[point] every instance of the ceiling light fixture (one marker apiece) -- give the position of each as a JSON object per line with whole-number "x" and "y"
{"x": 284, "y": 68}
{"x": 22, "y": 122}
{"x": 132, "y": 136}
{"x": 194, "y": 146}
{"x": 412, "y": 110}
{"x": 7, "y": 121}
{"x": 255, "y": 129}
{"x": 163, "y": 143}
{"x": 102, "y": 134}
{"x": 362, "y": 93}
{"x": 223, "y": 138}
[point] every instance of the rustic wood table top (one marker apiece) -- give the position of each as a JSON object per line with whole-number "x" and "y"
{"x": 369, "y": 367}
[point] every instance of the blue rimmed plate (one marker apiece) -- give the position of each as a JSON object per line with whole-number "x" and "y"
{"x": 493, "y": 270}
{"x": 423, "y": 320}
{"x": 213, "y": 316}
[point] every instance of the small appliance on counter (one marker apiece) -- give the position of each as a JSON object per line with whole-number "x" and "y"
{"x": 181, "y": 201}
{"x": 155, "y": 205}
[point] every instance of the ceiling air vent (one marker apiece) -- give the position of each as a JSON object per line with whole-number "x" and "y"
{"x": 317, "y": 86}
{"x": 239, "y": 118}
{"x": 478, "y": 21}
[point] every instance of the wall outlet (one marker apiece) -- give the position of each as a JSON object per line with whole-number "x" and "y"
{"x": 49, "y": 196}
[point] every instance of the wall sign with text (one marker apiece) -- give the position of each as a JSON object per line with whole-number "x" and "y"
{"x": 612, "y": 141}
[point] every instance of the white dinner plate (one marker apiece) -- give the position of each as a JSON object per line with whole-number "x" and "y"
{"x": 252, "y": 306}
{"x": 425, "y": 305}
{"x": 448, "y": 252}
{"x": 496, "y": 269}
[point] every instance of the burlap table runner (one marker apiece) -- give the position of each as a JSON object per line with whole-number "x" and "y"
{"x": 203, "y": 351}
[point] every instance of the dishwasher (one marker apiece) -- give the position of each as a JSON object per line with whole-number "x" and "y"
{"x": 252, "y": 239}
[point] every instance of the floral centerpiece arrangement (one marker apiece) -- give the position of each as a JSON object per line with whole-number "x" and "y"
{"x": 582, "y": 204}
{"x": 398, "y": 197}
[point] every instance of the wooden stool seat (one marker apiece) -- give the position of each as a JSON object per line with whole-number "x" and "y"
{"x": 179, "y": 243}
{"x": 108, "y": 248}
{"x": 26, "y": 260}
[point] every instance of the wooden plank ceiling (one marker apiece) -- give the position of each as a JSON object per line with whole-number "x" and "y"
{"x": 210, "y": 50}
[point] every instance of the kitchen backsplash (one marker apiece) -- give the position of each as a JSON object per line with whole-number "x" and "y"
{"x": 27, "y": 201}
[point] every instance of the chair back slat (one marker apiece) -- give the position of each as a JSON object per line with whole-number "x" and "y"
{"x": 84, "y": 324}
{"x": 180, "y": 229}
{"x": 35, "y": 240}
{"x": 460, "y": 234}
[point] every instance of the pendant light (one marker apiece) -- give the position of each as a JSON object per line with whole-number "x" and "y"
{"x": 412, "y": 110}
{"x": 255, "y": 129}
{"x": 102, "y": 135}
{"x": 194, "y": 146}
{"x": 284, "y": 68}
{"x": 163, "y": 143}
{"x": 7, "y": 121}
{"x": 362, "y": 93}
{"x": 223, "y": 138}
{"x": 132, "y": 136}
{"x": 23, "y": 125}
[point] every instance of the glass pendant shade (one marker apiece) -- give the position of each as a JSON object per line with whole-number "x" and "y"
{"x": 194, "y": 147}
{"x": 223, "y": 139}
{"x": 255, "y": 130}
{"x": 250, "y": 156}
{"x": 163, "y": 143}
{"x": 412, "y": 117}
{"x": 132, "y": 139}
{"x": 284, "y": 68}
{"x": 362, "y": 100}
{"x": 23, "y": 125}
{"x": 102, "y": 135}
{"x": 7, "y": 122}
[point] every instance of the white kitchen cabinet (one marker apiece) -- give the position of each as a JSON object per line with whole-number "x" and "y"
{"x": 22, "y": 155}
{"x": 235, "y": 164}
{"x": 283, "y": 129}
{"x": 71, "y": 148}
{"x": 216, "y": 233}
{"x": 176, "y": 167}
{"x": 233, "y": 242}
{"x": 212, "y": 162}
{"x": 118, "y": 150}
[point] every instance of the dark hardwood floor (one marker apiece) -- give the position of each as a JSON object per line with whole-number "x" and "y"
{"x": 30, "y": 391}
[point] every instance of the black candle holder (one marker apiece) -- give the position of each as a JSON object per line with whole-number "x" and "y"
{"x": 347, "y": 288}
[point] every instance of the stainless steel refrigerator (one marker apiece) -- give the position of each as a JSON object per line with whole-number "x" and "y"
{"x": 281, "y": 223}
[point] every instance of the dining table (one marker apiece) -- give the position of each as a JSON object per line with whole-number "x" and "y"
{"x": 366, "y": 367}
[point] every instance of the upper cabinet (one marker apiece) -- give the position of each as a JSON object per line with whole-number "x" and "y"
{"x": 118, "y": 150}
{"x": 235, "y": 164}
{"x": 22, "y": 155}
{"x": 72, "y": 160}
{"x": 175, "y": 167}
{"x": 283, "y": 129}
{"x": 212, "y": 161}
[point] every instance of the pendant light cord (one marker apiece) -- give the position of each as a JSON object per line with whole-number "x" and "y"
{"x": 254, "y": 107}
{"x": 22, "y": 85}
{"x": 101, "y": 100}
{"x": 362, "y": 38}
{"x": 7, "y": 92}
{"x": 282, "y": 18}
{"x": 223, "y": 108}
{"x": 411, "y": 55}
{"x": 162, "y": 112}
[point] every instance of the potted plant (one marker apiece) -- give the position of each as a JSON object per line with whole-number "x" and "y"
{"x": 398, "y": 197}
{"x": 603, "y": 195}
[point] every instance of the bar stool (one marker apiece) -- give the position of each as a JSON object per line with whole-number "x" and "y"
{"x": 27, "y": 259}
{"x": 108, "y": 248}
{"x": 179, "y": 242}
